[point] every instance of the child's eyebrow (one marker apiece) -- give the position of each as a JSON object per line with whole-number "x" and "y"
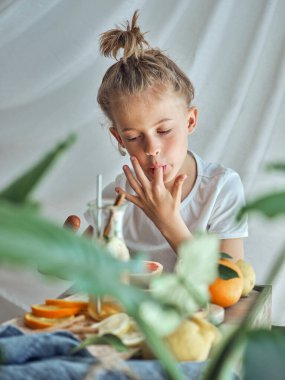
{"x": 162, "y": 121}
{"x": 157, "y": 123}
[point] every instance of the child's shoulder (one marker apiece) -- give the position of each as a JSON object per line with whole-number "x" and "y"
{"x": 214, "y": 177}
{"x": 213, "y": 170}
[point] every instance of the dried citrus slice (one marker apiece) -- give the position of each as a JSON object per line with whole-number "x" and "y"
{"x": 132, "y": 338}
{"x": 41, "y": 323}
{"x": 108, "y": 308}
{"x": 81, "y": 305}
{"x": 50, "y": 311}
{"x": 116, "y": 324}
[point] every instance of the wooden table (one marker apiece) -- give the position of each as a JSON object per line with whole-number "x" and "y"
{"x": 262, "y": 297}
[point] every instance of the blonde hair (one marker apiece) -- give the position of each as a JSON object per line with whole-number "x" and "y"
{"x": 140, "y": 67}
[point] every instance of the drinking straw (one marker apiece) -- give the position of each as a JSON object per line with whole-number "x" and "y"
{"x": 99, "y": 227}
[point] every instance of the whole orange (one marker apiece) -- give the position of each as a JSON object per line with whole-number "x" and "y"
{"x": 226, "y": 293}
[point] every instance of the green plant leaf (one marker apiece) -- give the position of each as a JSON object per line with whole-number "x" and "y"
{"x": 19, "y": 190}
{"x": 276, "y": 166}
{"x": 270, "y": 205}
{"x": 108, "y": 339}
{"x": 197, "y": 267}
{"x": 225, "y": 255}
{"x": 226, "y": 355}
{"x": 227, "y": 273}
{"x": 28, "y": 240}
{"x": 264, "y": 355}
{"x": 276, "y": 267}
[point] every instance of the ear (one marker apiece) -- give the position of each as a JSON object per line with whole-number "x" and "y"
{"x": 115, "y": 133}
{"x": 192, "y": 119}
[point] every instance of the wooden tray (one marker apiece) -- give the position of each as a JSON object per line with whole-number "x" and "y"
{"x": 262, "y": 296}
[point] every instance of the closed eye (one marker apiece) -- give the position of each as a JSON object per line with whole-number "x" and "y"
{"x": 164, "y": 132}
{"x": 131, "y": 138}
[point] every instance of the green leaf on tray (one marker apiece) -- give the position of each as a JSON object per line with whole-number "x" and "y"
{"x": 225, "y": 255}
{"x": 270, "y": 205}
{"x": 226, "y": 273}
{"x": 108, "y": 339}
{"x": 19, "y": 190}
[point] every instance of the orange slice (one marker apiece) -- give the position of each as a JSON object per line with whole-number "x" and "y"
{"x": 81, "y": 305}
{"x": 50, "y": 311}
{"x": 108, "y": 308}
{"x": 41, "y": 323}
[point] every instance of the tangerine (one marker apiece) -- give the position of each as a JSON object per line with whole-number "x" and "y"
{"x": 226, "y": 293}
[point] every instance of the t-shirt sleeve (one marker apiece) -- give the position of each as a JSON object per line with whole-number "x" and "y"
{"x": 230, "y": 199}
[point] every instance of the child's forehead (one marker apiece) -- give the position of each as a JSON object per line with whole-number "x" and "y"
{"x": 157, "y": 93}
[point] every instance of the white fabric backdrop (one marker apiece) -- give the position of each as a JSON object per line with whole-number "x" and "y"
{"x": 50, "y": 69}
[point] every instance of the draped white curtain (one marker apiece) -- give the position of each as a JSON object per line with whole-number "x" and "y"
{"x": 50, "y": 70}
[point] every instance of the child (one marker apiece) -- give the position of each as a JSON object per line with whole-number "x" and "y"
{"x": 171, "y": 192}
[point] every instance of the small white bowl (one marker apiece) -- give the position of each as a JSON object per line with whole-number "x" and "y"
{"x": 142, "y": 279}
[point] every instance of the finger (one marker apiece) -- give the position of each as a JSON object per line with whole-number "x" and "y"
{"x": 158, "y": 177}
{"x": 129, "y": 197}
{"x": 139, "y": 172}
{"x": 177, "y": 187}
{"x": 135, "y": 185}
{"x": 73, "y": 222}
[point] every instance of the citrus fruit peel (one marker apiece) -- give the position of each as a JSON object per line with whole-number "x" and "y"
{"x": 51, "y": 311}
{"x": 248, "y": 276}
{"x": 81, "y": 305}
{"x": 108, "y": 309}
{"x": 226, "y": 293}
{"x": 35, "y": 322}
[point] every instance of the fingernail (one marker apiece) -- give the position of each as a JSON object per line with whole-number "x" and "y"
{"x": 133, "y": 158}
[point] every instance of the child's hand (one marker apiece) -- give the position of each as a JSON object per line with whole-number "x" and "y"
{"x": 160, "y": 204}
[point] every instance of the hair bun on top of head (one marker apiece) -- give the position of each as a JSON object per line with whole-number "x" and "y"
{"x": 131, "y": 39}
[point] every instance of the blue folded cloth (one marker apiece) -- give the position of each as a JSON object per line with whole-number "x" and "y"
{"x": 41, "y": 356}
{"x": 47, "y": 356}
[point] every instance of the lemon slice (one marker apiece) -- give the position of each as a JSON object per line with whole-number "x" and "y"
{"x": 116, "y": 324}
{"x": 216, "y": 314}
{"x": 132, "y": 338}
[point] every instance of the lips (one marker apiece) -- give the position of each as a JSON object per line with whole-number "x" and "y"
{"x": 152, "y": 168}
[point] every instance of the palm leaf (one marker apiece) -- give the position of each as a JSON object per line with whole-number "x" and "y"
{"x": 30, "y": 241}
{"x": 270, "y": 205}
{"x": 267, "y": 349}
{"x": 276, "y": 166}
{"x": 19, "y": 190}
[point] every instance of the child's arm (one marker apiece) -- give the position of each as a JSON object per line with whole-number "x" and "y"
{"x": 233, "y": 247}
{"x": 160, "y": 204}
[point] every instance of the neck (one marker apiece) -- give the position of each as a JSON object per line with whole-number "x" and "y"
{"x": 189, "y": 168}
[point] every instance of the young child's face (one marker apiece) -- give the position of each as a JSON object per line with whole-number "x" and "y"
{"x": 154, "y": 126}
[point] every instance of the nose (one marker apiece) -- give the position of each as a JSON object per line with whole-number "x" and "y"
{"x": 152, "y": 147}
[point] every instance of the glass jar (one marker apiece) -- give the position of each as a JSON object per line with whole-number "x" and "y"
{"x": 108, "y": 231}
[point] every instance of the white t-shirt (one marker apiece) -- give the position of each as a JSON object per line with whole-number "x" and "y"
{"x": 212, "y": 205}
